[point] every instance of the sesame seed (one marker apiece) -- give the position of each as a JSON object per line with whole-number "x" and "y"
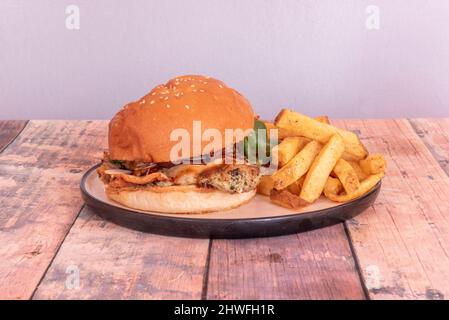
{"x": 142, "y": 101}
{"x": 220, "y": 86}
{"x": 168, "y": 106}
{"x": 193, "y": 86}
{"x": 166, "y": 98}
{"x": 187, "y": 106}
{"x": 153, "y": 93}
{"x": 152, "y": 101}
{"x": 201, "y": 90}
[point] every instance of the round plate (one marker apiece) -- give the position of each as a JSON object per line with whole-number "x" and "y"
{"x": 258, "y": 218}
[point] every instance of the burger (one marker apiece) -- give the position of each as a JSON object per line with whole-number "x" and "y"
{"x": 171, "y": 150}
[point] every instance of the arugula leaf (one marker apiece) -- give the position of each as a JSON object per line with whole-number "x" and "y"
{"x": 255, "y": 141}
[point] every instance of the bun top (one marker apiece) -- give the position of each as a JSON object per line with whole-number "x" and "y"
{"x": 141, "y": 130}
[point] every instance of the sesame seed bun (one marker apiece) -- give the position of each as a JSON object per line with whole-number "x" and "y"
{"x": 141, "y": 130}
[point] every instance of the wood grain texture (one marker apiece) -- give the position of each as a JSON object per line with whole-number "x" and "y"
{"x": 117, "y": 263}
{"x": 40, "y": 198}
{"x": 312, "y": 265}
{"x": 402, "y": 242}
{"x": 9, "y": 129}
{"x": 435, "y": 134}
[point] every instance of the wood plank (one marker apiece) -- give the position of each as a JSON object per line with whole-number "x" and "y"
{"x": 39, "y": 193}
{"x": 9, "y": 129}
{"x": 312, "y": 265}
{"x": 435, "y": 134}
{"x": 402, "y": 242}
{"x": 118, "y": 263}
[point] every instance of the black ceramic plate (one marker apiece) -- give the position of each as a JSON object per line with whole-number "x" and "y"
{"x": 258, "y": 218}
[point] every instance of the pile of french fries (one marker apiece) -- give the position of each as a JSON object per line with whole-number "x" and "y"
{"x": 315, "y": 158}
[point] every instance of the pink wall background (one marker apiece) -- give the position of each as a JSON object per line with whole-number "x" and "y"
{"x": 314, "y": 56}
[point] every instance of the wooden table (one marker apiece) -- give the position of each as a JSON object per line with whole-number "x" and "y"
{"x": 397, "y": 249}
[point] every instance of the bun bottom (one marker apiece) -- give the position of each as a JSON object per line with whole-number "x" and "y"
{"x": 179, "y": 199}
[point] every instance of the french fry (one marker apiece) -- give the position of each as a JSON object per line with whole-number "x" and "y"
{"x": 296, "y": 186}
{"x": 304, "y": 126}
{"x": 365, "y": 186}
{"x": 287, "y": 199}
{"x": 332, "y": 186}
{"x": 297, "y": 166}
{"x": 300, "y": 181}
{"x": 361, "y": 175}
{"x": 282, "y": 133}
{"x": 287, "y": 149}
{"x": 373, "y": 164}
{"x": 347, "y": 176}
{"x": 323, "y": 119}
{"x": 285, "y": 133}
{"x": 321, "y": 168}
{"x": 349, "y": 157}
{"x": 317, "y": 158}
{"x": 265, "y": 185}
